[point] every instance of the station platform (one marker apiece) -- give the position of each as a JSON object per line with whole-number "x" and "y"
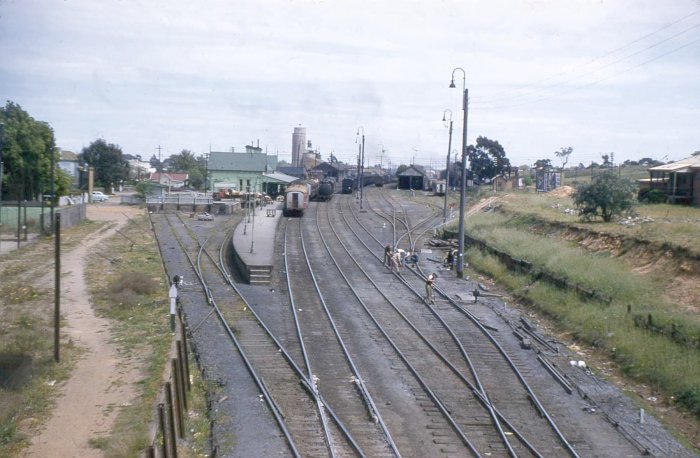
{"x": 253, "y": 243}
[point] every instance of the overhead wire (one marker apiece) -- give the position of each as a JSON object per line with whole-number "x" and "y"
{"x": 592, "y": 83}
{"x": 488, "y": 102}
{"x": 602, "y": 56}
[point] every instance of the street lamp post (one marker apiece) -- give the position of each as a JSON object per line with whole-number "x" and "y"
{"x": 362, "y": 164}
{"x": 447, "y": 167}
{"x": 462, "y": 185}
{"x": 2, "y": 142}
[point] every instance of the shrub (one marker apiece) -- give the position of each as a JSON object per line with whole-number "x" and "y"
{"x": 606, "y": 195}
{"x": 653, "y": 196}
{"x": 134, "y": 281}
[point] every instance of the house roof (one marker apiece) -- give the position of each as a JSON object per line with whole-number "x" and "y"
{"x": 68, "y": 156}
{"x": 326, "y": 167}
{"x": 242, "y": 162}
{"x": 297, "y": 171}
{"x": 413, "y": 171}
{"x": 682, "y": 166}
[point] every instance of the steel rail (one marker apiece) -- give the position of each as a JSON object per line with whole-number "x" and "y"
{"x": 251, "y": 370}
{"x": 478, "y": 390}
{"x": 306, "y": 382}
{"x": 453, "y": 423}
{"x": 526, "y": 386}
{"x": 356, "y": 372}
{"x": 300, "y": 336}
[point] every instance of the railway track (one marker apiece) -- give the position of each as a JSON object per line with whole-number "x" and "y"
{"x": 442, "y": 390}
{"x": 517, "y": 396}
{"x": 361, "y": 365}
{"x": 293, "y": 401}
{"x": 328, "y": 362}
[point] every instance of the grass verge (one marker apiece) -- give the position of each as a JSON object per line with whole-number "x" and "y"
{"x": 669, "y": 364}
{"x": 29, "y": 374}
{"x": 129, "y": 287}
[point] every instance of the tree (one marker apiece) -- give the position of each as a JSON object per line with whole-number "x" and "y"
{"x": 144, "y": 189}
{"x": 487, "y": 158}
{"x": 606, "y": 195}
{"x": 543, "y": 164}
{"x": 156, "y": 163}
{"x": 27, "y": 153}
{"x": 563, "y": 154}
{"x": 195, "y": 167}
{"x": 108, "y": 161}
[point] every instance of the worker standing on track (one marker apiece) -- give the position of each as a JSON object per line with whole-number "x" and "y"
{"x": 429, "y": 283}
{"x": 387, "y": 255}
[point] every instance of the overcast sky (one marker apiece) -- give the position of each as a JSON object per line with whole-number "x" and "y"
{"x": 601, "y": 76}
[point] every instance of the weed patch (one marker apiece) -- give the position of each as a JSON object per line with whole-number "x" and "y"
{"x": 647, "y": 336}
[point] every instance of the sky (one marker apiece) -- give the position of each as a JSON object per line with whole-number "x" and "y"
{"x": 604, "y": 76}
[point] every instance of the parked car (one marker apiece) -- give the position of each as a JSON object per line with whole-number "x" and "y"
{"x": 205, "y": 217}
{"x": 99, "y": 196}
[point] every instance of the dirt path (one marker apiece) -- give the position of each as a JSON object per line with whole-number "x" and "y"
{"x": 89, "y": 401}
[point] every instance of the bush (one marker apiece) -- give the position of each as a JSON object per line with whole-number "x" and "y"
{"x": 606, "y": 195}
{"x": 134, "y": 281}
{"x": 653, "y": 196}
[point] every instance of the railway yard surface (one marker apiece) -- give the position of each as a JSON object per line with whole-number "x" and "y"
{"x": 339, "y": 356}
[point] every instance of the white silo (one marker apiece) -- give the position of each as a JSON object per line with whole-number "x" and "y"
{"x": 298, "y": 146}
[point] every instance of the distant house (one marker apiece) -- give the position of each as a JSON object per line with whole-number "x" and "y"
{"x": 679, "y": 181}
{"x": 170, "y": 180}
{"x": 69, "y": 163}
{"x": 327, "y": 170}
{"x": 506, "y": 183}
{"x": 252, "y": 171}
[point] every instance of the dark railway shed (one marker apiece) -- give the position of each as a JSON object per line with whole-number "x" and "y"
{"x": 412, "y": 178}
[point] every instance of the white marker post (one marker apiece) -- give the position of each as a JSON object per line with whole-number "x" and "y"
{"x": 173, "y": 301}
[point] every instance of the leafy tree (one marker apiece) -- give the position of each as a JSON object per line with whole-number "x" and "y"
{"x": 144, "y": 189}
{"x": 108, "y": 160}
{"x": 563, "y": 154}
{"x": 649, "y": 162}
{"x": 195, "y": 167}
{"x": 606, "y": 160}
{"x": 156, "y": 163}
{"x": 27, "y": 152}
{"x": 183, "y": 162}
{"x": 543, "y": 164}
{"x": 487, "y": 158}
{"x": 606, "y": 195}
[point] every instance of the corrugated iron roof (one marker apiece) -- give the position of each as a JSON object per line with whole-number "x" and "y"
{"x": 242, "y": 162}
{"x": 280, "y": 177}
{"x": 682, "y": 166}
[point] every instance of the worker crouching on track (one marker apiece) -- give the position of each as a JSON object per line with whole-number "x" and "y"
{"x": 429, "y": 283}
{"x": 396, "y": 261}
{"x": 411, "y": 259}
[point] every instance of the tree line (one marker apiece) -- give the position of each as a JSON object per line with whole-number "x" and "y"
{"x": 29, "y": 156}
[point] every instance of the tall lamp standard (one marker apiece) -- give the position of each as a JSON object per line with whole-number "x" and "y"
{"x": 447, "y": 167}
{"x": 361, "y": 180}
{"x": 463, "y": 183}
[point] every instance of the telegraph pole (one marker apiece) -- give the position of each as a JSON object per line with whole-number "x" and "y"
{"x": 2, "y": 143}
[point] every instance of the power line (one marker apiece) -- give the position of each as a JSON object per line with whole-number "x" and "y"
{"x": 592, "y": 83}
{"x": 541, "y": 89}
